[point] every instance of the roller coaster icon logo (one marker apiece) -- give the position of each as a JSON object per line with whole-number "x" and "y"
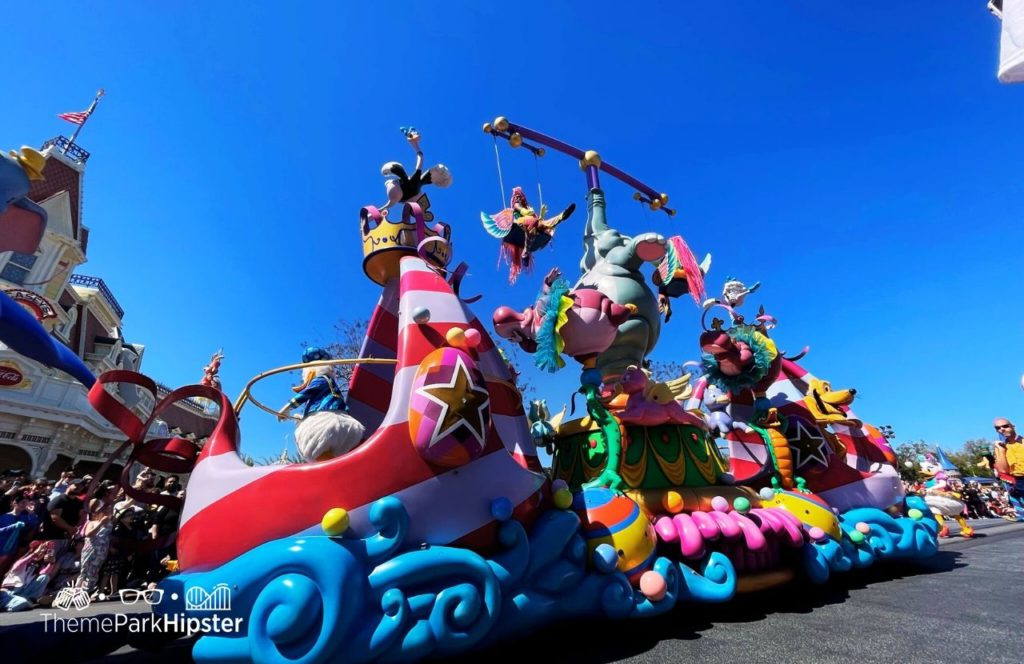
{"x": 218, "y": 599}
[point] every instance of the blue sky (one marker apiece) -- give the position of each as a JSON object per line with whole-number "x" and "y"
{"x": 859, "y": 159}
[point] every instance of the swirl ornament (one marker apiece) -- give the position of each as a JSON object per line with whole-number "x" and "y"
{"x": 887, "y": 538}
{"x": 321, "y": 598}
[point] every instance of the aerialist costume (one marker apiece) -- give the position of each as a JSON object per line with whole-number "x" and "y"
{"x": 522, "y": 231}
{"x": 326, "y": 429}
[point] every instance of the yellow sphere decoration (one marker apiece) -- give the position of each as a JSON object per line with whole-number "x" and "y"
{"x": 637, "y": 196}
{"x": 809, "y": 508}
{"x": 335, "y": 521}
{"x": 456, "y": 337}
{"x": 673, "y": 502}
{"x": 501, "y": 122}
{"x": 488, "y": 128}
{"x": 540, "y": 152}
{"x": 516, "y": 139}
{"x": 656, "y": 204}
{"x": 671, "y": 213}
{"x": 591, "y": 158}
{"x": 663, "y": 198}
{"x": 563, "y": 499}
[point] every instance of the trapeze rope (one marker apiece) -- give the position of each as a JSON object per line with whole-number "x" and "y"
{"x": 540, "y": 192}
{"x": 501, "y": 180}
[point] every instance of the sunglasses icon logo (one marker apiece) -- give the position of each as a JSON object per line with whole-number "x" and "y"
{"x": 151, "y": 597}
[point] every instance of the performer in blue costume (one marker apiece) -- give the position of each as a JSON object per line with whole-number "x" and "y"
{"x": 326, "y": 430}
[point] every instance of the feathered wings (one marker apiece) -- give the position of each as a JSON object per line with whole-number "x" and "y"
{"x": 678, "y": 256}
{"x": 498, "y": 225}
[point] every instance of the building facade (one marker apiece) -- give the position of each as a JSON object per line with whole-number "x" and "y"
{"x": 46, "y": 422}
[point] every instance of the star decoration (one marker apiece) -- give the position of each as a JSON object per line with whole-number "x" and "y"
{"x": 808, "y": 443}
{"x": 463, "y": 404}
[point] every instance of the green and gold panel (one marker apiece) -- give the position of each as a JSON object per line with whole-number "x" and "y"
{"x": 664, "y": 456}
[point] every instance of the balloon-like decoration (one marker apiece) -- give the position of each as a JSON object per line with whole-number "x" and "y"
{"x": 22, "y": 333}
{"x": 22, "y": 220}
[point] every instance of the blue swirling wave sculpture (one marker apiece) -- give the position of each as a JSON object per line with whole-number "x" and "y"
{"x": 317, "y": 599}
{"x": 888, "y": 538}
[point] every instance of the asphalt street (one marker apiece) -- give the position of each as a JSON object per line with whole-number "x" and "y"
{"x": 964, "y": 604}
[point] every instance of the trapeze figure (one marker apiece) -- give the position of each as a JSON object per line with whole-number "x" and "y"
{"x": 522, "y": 231}
{"x": 326, "y": 430}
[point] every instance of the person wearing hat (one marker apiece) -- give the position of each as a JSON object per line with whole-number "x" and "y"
{"x": 22, "y": 221}
{"x": 326, "y": 430}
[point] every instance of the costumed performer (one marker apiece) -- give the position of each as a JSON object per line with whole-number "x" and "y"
{"x": 326, "y": 430}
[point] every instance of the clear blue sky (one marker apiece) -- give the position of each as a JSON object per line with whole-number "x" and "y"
{"x": 859, "y": 159}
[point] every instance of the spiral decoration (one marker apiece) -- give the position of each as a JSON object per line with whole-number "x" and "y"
{"x": 321, "y": 598}
{"x": 871, "y": 535}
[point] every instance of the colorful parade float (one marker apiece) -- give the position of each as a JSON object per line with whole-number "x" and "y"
{"x": 426, "y": 525}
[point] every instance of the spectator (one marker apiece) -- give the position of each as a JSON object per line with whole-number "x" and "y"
{"x": 97, "y": 533}
{"x": 172, "y": 485}
{"x": 29, "y": 577}
{"x": 62, "y": 484}
{"x": 1009, "y": 455}
{"x": 64, "y": 513}
{"x": 976, "y": 508}
{"x": 144, "y": 480}
{"x": 16, "y": 527}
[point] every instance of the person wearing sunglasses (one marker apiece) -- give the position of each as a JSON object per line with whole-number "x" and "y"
{"x": 1009, "y": 455}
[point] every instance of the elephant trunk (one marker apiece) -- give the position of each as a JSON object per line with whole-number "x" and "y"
{"x": 597, "y": 223}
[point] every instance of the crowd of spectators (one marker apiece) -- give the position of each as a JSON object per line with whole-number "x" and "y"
{"x": 56, "y": 534}
{"x": 980, "y": 501}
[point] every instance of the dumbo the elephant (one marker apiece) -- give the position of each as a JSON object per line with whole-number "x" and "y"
{"x": 611, "y": 264}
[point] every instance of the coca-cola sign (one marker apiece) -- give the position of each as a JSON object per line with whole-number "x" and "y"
{"x": 9, "y": 376}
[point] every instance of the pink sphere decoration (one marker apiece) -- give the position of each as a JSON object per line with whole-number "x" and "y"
{"x": 719, "y": 504}
{"x": 472, "y": 338}
{"x": 816, "y": 534}
{"x": 653, "y": 586}
{"x": 863, "y": 528}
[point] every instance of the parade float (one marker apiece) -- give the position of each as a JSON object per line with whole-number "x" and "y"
{"x": 432, "y": 527}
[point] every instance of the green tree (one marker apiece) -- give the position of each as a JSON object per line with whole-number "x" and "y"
{"x": 907, "y": 454}
{"x": 968, "y": 460}
{"x": 662, "y": 370}
{"x": 348, "y": 340}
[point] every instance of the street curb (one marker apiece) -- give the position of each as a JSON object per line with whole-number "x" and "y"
{"x": 953, "y": 540}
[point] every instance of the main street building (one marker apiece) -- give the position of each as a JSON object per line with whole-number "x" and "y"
{"x": 46, "y": 423}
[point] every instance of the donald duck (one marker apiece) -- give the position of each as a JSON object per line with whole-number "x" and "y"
{"x": 326, "y": 430}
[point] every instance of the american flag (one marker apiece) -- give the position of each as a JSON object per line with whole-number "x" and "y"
{"x": 80, "y": 117}
{"x": 75, "y": 118}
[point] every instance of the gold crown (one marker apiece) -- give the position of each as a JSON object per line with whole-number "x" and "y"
{"x": 387, "y": 240}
